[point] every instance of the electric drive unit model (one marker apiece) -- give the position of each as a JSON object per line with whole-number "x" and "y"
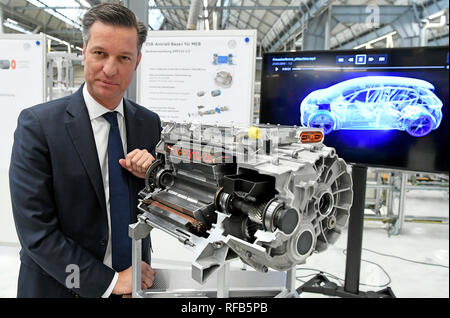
{"x": 269, "y": 195}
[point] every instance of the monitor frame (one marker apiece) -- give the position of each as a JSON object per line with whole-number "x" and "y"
{"x": 265, "y": 112}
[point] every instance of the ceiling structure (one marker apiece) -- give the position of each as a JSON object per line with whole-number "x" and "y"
{"x": 281, "y": 24}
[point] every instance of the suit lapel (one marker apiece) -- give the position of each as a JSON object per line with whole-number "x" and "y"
{"x": 133, "y": 125}
{"x": 78, "y": 125}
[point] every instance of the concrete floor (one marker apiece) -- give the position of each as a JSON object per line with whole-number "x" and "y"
{"x": 419, "y": 242}
{"x": 426, "y": 243}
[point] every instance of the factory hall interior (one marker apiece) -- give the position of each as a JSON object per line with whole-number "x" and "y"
{"x": 229, "y": 150}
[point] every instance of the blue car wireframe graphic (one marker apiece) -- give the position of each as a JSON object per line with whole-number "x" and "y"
{"x": 374, "y": 103}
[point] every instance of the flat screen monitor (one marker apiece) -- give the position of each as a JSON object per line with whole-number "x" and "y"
{"x": 378, "y": 107}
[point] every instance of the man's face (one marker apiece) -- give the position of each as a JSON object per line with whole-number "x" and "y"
{"x": 110, "y": 60}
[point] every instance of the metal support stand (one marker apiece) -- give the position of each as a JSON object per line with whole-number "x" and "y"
{"x": 223, "y": 287}
{"x": 290, "y": 291}
{"x": 137, "y": 232}
{"x": 396, "y": 189}
{"x": 179, "y": 284}
{"x": 320, "y": 284}
{"x": 401, "y": 205}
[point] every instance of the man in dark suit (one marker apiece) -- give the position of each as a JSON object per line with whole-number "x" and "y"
{"x": 73, "y": 190}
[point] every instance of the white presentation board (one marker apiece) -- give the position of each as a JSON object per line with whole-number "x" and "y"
{"x": 198, "y": 76}
{"x": 22, "y": 84}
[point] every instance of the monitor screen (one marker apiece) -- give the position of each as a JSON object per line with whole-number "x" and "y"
{"x": 378, "y": 107}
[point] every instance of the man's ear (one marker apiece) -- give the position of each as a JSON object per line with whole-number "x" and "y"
{"x": 84, "y": 53}
{"x": 138, "y": 61}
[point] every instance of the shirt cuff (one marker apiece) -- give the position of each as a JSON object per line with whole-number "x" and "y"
{"x": 111, "y": 286}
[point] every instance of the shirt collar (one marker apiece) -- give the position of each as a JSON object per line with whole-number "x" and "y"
{"x": 95, "y": 109}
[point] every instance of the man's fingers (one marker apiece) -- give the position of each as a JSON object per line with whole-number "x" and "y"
{"x": 151, "y": 271}
{"x": 135, "y": 159}
{"x": 146, "y": 282}
{"x": 148, "y": 269}
{"x": 148, "y": 275}
{"x": 123, "y": 163}
{"x": 130, "y": 156}
{"x": 147, "y": 163}
{"x": 143, "y": 163}
{"x": 137, "y": 162}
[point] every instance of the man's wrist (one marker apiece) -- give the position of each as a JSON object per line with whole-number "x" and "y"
{"x": 110, "y": 289}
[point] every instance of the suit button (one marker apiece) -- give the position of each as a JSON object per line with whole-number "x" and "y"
{"x": 102, "y": 242}
{"x": 74, "y": 294}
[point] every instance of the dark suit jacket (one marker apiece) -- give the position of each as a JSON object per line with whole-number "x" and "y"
{"x": 58, "y": 198}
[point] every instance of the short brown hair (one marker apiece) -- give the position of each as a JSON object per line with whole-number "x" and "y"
{"x": 116, "y": 15}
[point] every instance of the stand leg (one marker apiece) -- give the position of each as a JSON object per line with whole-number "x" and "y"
{"x": 136, "y": 255}
{"x": 355, "y": 230}
{"x": 401, "y": 203}
{"x": 290, "y": 279}
{"x": 137, "y": 232}
{"x": 223, "y": 288}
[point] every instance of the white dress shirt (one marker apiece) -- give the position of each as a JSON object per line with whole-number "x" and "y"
{"x": 100, "y": 127}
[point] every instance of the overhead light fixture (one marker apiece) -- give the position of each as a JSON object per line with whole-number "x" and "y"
{"x": 84, "y": 3}
{"x": 76, "y": 47}
{"x": 436, "y": 15}
{"x": 12, "y": 21}
{"x": 48, "y": 5}
{"x": 15, "y": 26}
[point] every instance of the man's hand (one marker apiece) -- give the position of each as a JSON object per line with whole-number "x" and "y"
{"x": 124, "y": 283}
{"x": 137, "y": 162}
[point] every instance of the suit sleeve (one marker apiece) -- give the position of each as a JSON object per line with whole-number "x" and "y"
{"x": 36, "y": 216}
{"x": 157, "y": 134}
